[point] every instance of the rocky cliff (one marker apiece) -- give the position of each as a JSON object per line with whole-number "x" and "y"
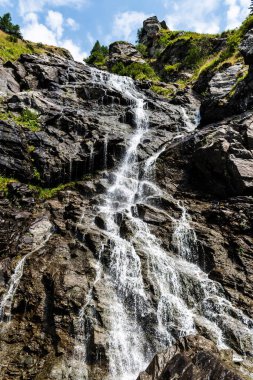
{"x": 126, "y": 218}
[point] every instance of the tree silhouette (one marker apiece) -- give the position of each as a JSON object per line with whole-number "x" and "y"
{"x": 7, "y": 26}
{"x": 251, "y": 8}
{"x": 98, "y": 54}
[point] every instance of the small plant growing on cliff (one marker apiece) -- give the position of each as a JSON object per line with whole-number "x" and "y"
{"x": 4, "y": 181}
{"x": 29, "y": 119}
{"x": 142, "y": 49}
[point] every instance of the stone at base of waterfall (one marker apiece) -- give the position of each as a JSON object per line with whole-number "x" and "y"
{"x": 193, "y": 358}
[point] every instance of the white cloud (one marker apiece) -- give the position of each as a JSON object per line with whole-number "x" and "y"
{"x": 72, "y": 23}
{"x": 27, "y": 6}
{"x": 199, "y": 16}
{"x": 54, "y": 21}
{"x": 51, "y": 34}
{"x": 205, "y": 16}
{"x": 125, "y": 25}
{"x": 37, "y": 32}
{"x": 237, "y": 10}
{"x": 74, "y": 49}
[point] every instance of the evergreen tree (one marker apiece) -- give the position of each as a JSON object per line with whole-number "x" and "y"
{"x": 98, "y": 54}
{"x": 7, "y": 26}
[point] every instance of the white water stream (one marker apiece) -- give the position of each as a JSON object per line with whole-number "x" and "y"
{"x": 41, "y": 231}
{"x": 157, "y": 295}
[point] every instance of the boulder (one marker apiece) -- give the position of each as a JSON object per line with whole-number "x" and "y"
{"x": 246, "y": 47}
{"x": 192, "y": 358}
{"x": 124, "y": 52}
{"x": 152, "y": 26}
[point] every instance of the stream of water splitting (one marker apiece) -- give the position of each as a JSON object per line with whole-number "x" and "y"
{"x": 157, "y": 294}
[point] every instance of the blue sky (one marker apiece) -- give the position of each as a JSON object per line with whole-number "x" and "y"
{"x": 77, "y": 24}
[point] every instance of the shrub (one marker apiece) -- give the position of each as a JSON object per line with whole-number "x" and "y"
{"x": 28, "y": 119}
{"x": 12, "y": 38}
{"x": 166, "y": 92}
{"x": 4, "y": 181}
{"x": 171, "y": 69}
{"x": 98, "y": 55}
{"x": 50, "y": 193}
{"x": 142, "y": 49}
{"x": 138, "y": 71}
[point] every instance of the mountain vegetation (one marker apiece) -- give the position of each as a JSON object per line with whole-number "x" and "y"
{"x": 8, "y": 27}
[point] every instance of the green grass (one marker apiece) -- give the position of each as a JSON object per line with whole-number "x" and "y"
{"x": 163, "y": 91}
{"x": 171, "y": 69}
{"x": 50, "y": 193}
{"x": 138, "y": 71}
{"x": 36, "y": 174}
{"x": 142, "y": 49}
{"x": 240, "y": 78}
{"x": 230, "y": 54}
{"x": 28, "y": 119}
{"x": 4, "y": 181}
{"x": 31, "y": 148}
{"x": 43, "y": 193}
{"x": 168, "y": 37}
{"x": 11, "y": 49}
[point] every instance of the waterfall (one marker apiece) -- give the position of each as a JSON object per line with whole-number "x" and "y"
{"x": 41, "y": 232}
{"x": 157, "y": 294}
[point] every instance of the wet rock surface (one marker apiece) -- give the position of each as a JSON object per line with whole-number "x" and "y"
{"x": 85, "y": 128}
{"x": 192, "y": 358}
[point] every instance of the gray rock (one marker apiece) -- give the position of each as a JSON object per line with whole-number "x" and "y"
{"x": 192, "y": 358}
{"x": 222, "y": 82}
{"x": 124, "y": 52}
{"x": 246, "y": 47}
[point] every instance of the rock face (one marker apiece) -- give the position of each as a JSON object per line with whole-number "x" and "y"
{"x": 124, "y": 52}
{"x": 151, "y": 28}
{"x": 246, "y": 47}
{"x": 192, "y": 358}
{"x": 224, "y": 158}
{"x": 180, "y": 233}
{"x": 228, "y": 90}
{"x": 223, "y": 82}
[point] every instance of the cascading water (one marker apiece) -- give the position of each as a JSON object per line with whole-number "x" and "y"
{"x": 183, "y": 298}
{"x": 43, "y": 234}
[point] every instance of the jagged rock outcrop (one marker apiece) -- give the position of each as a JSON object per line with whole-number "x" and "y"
{"x": 229, "y": 90}
{"x": 123, "y": 52}
{"x": 149, "y": 33}
{"x": 151, "y": 27}
{"x": 246, "y": 47}
{"x": 192, "y": 358}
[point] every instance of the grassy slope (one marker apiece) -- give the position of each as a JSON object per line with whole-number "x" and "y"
{"x": 11, "y": 51}
{"x": 200, "y": 56}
